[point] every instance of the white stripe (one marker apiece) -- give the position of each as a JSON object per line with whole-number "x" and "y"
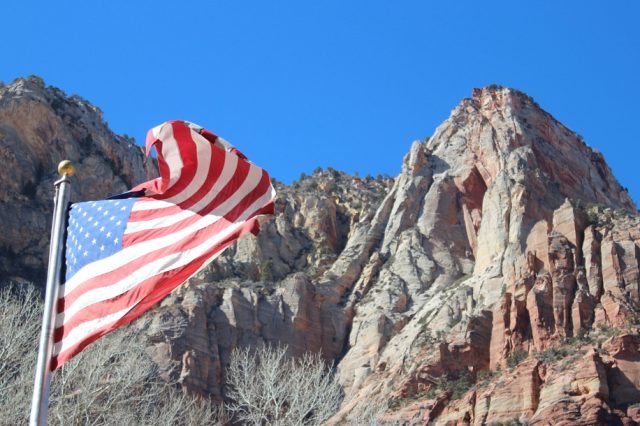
{"x": 253, "y": 177}
{"x": 81, "y": 332}
{"x": 193, "y": 126}
{"x": 224, "y": 144}
{"x": 135, "y": 251}
{"x": 156, "y": 130}
{"x": 170, "y": 152}
{"x": 159, "y": 266}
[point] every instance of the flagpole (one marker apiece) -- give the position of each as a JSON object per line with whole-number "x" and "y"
{"x": 40, "y": 400}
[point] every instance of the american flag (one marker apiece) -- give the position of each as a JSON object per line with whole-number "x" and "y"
{"x": 125, "y": 254}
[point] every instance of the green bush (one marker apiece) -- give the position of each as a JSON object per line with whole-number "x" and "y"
{"x": 607, "y": 330}
{"x": 458, "y": 387}
{"x": 516, "y": 358}
{"x": 484, "y": 375}
{"x": 552, "y": 354}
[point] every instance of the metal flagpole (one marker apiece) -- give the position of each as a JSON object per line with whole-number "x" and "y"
{"x": 40, "y": 401}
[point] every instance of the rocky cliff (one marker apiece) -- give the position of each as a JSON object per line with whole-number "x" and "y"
{"x": 494, "y": 280}
{"x": 39, "y": 127}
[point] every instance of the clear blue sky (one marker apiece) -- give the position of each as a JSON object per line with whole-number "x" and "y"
{"x": 347, "y": 84}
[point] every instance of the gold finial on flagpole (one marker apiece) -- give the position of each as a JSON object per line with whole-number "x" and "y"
{"x": 66, "y": 168}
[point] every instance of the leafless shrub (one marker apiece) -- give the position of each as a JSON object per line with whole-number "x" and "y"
{"x": 20, "y": 320}
{"x": 266, "y": 388}
{"x": 111, "y": 382}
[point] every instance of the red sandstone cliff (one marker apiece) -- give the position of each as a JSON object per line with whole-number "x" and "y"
{"x": 495, "y": 280}
{"x": 512, "y": 266}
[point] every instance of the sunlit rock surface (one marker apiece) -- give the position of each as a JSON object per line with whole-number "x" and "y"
{"x": 495, "y": 279}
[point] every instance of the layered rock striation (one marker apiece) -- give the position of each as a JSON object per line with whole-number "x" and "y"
{"x": 494, "y": 280}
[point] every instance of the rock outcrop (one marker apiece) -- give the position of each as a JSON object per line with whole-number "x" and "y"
{"x": 39, "y": 127}
{"x": 525, "y": 258}
{"x": 495, "y": 280}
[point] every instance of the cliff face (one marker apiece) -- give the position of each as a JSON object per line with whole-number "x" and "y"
{"x": 495, "y": 279}
{"x": 39, "y": 127}
{"x": 501, "y": 263}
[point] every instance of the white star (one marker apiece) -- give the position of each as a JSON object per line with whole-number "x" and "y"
{"x": 108, "y": 234}
{"x": 81, "y": 229}
{"x": 102, "y": 248}
{"x": 86, "y": 235}
{"x": 112, "y": 218}
{"x": 80, "y": 247}
{"x": 106, "y": 212}
{"x": 115, "y": 241}
{"x": 99, "y": 208}
{"x": 86, "y": 253}
{"x": 93, "y": 204}
{"x": 94, "y": 241}
{"x": 102, "y": 229}
{"x": 90, "y": 218}
{"x": 116, "y": 203}
{"x": 123, "y": 208}
{"x": 83, "y": 214}
{"x": 119, "y": 222}
{"x": 95, "y": 223}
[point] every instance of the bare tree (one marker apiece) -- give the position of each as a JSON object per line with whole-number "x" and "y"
{"x": 112, "y": 382}
{"x": 267, "y": 388}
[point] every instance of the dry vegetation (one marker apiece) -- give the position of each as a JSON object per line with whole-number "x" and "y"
{"x": 115, "y": 382}
{"x": 267, "y": 388}
{"x": 112, "y": 382}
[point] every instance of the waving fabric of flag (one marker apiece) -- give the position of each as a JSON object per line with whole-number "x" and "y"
{"x": 125, "y": 254}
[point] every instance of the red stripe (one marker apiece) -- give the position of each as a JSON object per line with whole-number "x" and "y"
{"x": 189, "y": 155}
{"x": 210, "y": 136}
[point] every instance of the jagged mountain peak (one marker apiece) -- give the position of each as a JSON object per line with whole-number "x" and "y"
{"x": 484, "y": 250}
{"x": 504, "y": 131}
